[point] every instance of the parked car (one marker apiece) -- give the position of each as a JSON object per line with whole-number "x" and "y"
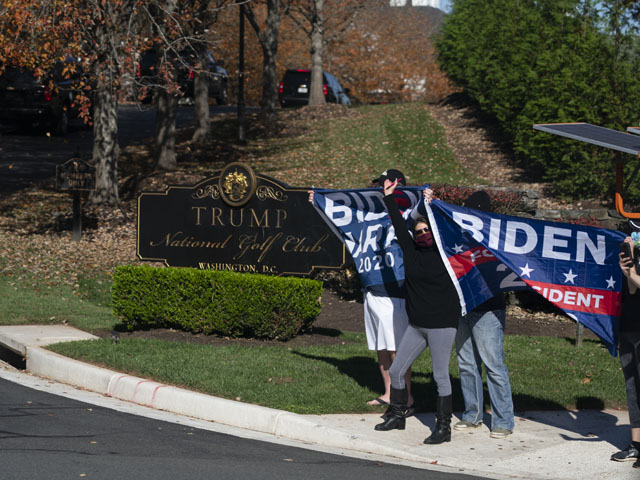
{"x": 216, "y": 74}
{"x": 45, "y": 100}
{"x": 296, "y": 83}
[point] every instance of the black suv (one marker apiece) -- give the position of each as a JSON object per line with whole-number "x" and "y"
{"x": 216, "y": 75}
{"x": 47, "y": 100}
{"x": 295, "y": 85}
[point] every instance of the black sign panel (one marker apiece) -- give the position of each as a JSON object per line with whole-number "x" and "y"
{"x": 75, "y": 174}
{"x": 239, "y": 221}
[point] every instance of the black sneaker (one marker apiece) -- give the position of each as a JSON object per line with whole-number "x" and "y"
{"x": 636, "y": 464}
{"x": 629, "y": 454}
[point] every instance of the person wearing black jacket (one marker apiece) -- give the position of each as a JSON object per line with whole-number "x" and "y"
{"x": 629, "y": 346}
{"x": 433, "y": 309}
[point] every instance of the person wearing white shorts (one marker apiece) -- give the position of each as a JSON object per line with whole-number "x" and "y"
{"x": 385, "y": 321}
{"x": 385, "y": 316}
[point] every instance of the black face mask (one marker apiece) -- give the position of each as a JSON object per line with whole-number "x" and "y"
{"x": 425, "y": 239}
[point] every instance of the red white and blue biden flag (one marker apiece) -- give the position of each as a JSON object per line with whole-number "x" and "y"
{"x": 575, "y": 267}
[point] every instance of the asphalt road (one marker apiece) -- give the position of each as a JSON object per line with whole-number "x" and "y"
{"x": 46, "y": 436}
{"x": 28, "y": 154}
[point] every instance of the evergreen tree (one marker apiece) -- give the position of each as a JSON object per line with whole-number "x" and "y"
{"x": 548, "y": 61}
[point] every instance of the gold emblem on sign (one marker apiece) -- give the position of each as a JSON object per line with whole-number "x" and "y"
{"x": 235, "y": 185}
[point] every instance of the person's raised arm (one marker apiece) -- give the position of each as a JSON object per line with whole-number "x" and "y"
{"x": 402, "y": 234}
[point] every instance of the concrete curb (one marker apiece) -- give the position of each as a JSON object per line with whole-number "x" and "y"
{"x": 570, "y": 445}
{"x": 62, "y": 369}
{"x": 206, "y": 407}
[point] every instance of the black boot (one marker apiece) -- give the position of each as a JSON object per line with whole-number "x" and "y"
{"x": 409, "y": 411}
{"x": 396, "y": 418}
{"x": 442, "y": 432}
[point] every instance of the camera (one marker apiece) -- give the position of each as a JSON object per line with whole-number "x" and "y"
{"x": 625, "y": 248}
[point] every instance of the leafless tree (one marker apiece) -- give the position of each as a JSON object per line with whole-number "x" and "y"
{"x": 321, "y": 20}
{"x": 181, "y": 32}
{"x": 268, "y": 38}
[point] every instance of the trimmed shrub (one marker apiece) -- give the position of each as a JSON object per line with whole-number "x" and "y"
{"x": 208, "y": 301}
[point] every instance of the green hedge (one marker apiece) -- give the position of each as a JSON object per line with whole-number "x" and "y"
{"x": 550, "y": 61}
{"x": 209, "y": 301}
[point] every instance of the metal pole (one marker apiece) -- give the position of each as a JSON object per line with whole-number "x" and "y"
{"x": 242, "y": 140}
{"x": 77, "y": 216}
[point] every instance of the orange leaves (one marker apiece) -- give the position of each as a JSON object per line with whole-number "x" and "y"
{"x": 34, "y": 35}
{"x": 391, "y": 55}
{"x": 385, "y": 54}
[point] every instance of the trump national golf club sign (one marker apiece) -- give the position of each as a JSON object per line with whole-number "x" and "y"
{"x": 236, "y": 220}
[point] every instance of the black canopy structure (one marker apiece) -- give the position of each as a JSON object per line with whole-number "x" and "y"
{"x": 604, "y": 137}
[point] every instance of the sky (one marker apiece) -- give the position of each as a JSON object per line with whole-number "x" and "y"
{"x": 444, "y": 5}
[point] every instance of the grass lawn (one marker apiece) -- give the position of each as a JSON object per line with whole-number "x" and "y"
{"x": 349, "y": 152}
{"x": 546, "y": 372}
{"x": 25, "y": 301}
{"x": 340, "y": 153}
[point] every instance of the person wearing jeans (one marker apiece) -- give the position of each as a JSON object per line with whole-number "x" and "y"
{"x": 479, "y": 340}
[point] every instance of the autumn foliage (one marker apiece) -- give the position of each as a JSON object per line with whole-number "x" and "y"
{"x": 381, "y": 54}
{"x": 384, "y": 54}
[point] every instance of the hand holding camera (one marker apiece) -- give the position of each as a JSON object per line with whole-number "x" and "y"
{"x": 631, "y": 253}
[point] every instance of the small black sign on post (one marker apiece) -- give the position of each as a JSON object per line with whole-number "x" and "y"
{"x": 76, "y": 176}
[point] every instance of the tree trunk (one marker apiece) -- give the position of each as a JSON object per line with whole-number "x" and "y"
{"x": 201, "y": 103}
{"x": 165, "y": 134}
{"x": 269, "y": 43}
{"x": 105, "y": 147}
{"x": 316, "y": 95}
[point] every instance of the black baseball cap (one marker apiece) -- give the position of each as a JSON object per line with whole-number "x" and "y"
{"x": 391, "y": 174}
{"x": 479, "y": 200}
{"x": 634, "y": 225}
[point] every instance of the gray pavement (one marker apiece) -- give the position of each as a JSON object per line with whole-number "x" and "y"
{"x": 545, "y": 445}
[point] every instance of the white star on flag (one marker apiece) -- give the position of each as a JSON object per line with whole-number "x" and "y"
{"x": 568, "y": 277}
{"x": 611, "y": 283}
{"x": 458, "y": 248}
{"x": 526, "y": 271}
